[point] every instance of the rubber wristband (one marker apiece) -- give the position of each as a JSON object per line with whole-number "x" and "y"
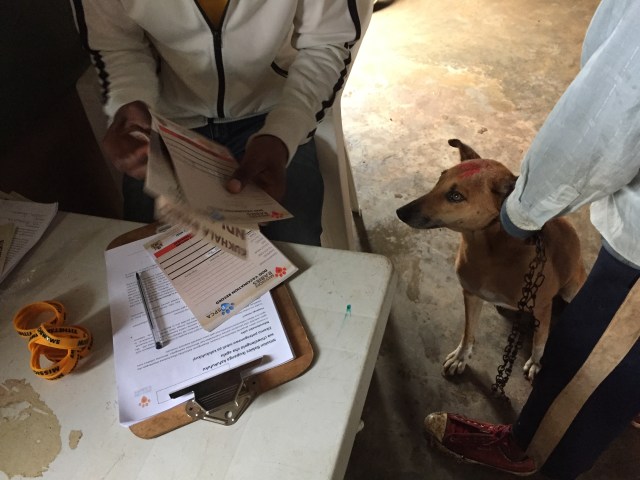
{"x": 57, "y": 369}
{"x": 62, "y": 345}
{"x": 26, "y": 316}
{"x": 64, "y": 337}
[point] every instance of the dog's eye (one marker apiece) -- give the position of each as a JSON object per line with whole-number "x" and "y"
{"x": 455, "y": 196}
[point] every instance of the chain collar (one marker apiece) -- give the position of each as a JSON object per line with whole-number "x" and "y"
{"x": 533, "y": 279}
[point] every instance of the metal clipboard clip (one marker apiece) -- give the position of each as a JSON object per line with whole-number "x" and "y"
{"x": 223, "y": 398}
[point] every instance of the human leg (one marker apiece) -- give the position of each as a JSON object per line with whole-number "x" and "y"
{"x": 303, "y": 199}
{"x": 585, "y": 394}
{"x": 138, "y": 206}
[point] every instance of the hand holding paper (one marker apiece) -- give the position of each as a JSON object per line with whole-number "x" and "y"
{"x": 126, "y": 143}
{"x": 187, "y": 174}
{"x": 265, "y": 163}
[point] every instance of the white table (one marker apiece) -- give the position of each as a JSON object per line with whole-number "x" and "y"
{"x": 301, "y": 430}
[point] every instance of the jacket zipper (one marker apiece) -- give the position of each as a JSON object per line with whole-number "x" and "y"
{"x": 217, "y": 49}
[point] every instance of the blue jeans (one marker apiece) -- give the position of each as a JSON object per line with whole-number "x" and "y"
{"x": 304, "y": 190}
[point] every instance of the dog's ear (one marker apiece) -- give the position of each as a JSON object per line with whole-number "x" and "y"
{"x": 466, "y": 152}
{"x": 504, "y": 186}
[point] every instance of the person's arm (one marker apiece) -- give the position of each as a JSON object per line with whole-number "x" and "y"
{"x": 126, "y": 142}
{"x": 589, "y": 146}
{"x": 126, "y": 69}
{"x": 120, "y": 52}
{"x": 324, "y": 33}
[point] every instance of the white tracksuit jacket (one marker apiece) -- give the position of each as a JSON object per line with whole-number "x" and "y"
{"x": 286, "y": 57}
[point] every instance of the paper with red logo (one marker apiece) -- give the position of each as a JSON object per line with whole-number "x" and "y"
{"x": 187, "y": 173}
{"x": 214, "y": 284}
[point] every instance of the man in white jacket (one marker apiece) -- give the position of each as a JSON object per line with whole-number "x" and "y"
{"x": 254, "y": 75}
{"x": 588, "y": 151}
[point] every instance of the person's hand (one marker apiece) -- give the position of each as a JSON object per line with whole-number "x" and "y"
{"x": 126, "y": 143}
{"x": 265, "y": 163}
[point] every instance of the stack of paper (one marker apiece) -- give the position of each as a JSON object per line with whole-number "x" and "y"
{"x": 22, "y": 223}
{"x": 145, "y": 375}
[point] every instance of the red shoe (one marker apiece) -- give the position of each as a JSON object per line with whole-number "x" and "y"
{"x": 475, "y": 442}
{"x": 636, "y": 421}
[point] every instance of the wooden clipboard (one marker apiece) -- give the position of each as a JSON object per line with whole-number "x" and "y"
{"x": 178, "y": 416}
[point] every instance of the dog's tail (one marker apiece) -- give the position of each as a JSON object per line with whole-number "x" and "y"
{"x": 466, "y": 152}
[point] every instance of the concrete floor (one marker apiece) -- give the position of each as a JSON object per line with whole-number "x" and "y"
{"x": 486, "y": 72}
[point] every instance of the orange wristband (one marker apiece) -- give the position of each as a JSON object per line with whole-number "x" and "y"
{"x": 63, "y": 345}
{"x": 69, "y": 337}
{"x": 57, "y": 369}
{"x": 29, "y": 314}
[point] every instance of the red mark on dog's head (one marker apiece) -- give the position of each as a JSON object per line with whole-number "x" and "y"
{"x": 469, "y": 168}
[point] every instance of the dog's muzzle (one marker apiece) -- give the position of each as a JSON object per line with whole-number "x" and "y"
{"x": 412, "y": 216}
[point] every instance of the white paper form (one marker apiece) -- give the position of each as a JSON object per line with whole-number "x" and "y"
{"x": 145, "y": 376}
{"x": 214, "y": 284}
{"x": 30, "y": 219}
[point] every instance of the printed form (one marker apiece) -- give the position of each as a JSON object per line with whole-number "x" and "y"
{"x": 145, "y": 376}
{"x": 214, "y": 284}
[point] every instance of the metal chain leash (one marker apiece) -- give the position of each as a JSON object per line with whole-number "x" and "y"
{"x": 532, "y": 281}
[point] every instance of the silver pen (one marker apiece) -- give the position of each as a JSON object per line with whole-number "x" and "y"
{"x": 152, "y": 322}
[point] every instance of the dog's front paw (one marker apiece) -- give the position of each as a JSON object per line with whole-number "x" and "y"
{"x": 531, "y": 368}
{"x": 456, "y": 361}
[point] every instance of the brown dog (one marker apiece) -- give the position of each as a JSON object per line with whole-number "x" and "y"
{"x": 491, "y": 264}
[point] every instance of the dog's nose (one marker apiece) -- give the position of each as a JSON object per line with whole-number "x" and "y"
{"x": 404, "y": 213}
{"x": 411, "y": 215}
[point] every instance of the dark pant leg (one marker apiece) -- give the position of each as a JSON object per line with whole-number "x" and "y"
{"x": 303, "y": 199}
{"x": 138, "y": 206}
{"x": 614, "y": 403}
